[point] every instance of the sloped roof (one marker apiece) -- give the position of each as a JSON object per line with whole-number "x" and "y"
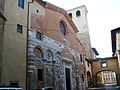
{"x": 79, "y": 7}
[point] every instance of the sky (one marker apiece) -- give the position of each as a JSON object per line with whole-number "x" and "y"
{"x": 103, "y": 16}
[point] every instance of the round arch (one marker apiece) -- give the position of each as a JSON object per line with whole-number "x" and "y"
{"x": 38, "y": 51}
{"x": 49, "y": 55}
{"x": 104, "y": 77}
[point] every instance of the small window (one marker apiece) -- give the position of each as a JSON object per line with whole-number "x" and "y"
{"x": 103, "y": 64}
{"x": 70, "y": 14}
{"x": 81, "y": 57}
{"x": 14, "y": 83}
{"x": 40, "y": 74}
{"x": 82, "y": 77}
{"x": 88, "y": 64}
{"x": 37, "y": 52}
{"x": 78, "y": 13}
{"x": 19, "y": 28}
{"x": 62, "y": 28}
{"x": 21, "y": 3}
{"x": 39, "y": 35}
{"x": 49, "y": 56}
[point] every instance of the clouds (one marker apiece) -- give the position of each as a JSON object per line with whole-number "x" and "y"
{"x": 102, "y": 18}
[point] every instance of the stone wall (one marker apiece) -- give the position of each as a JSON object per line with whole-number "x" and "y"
{"x": 54, "y": 69}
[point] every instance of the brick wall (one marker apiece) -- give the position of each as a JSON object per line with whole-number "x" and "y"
{"x": 49, "y": 26}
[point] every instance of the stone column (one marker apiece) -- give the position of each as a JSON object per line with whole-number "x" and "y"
{"x": 44, "y": 73}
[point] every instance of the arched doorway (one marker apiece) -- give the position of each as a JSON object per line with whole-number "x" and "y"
{"x": 106, "y": 78}
{"x": 36, "y": 69}
{"x": 89, "y": 79}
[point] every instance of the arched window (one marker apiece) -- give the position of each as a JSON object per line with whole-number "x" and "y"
{"x": 58, "y": 58}
{"x": 38, "y": 52}
{"x": 81, "y": 58}
{"x": 78, "y": 13}
{"x": 62, "y": 28}
{"x": 70, "y": 14}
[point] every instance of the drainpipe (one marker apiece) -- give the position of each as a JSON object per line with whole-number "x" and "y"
{"x": 28, "y": 12}
{"x": 2, "y": 36}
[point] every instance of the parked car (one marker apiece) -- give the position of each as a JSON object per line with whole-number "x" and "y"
{"x": 10, "y": 88}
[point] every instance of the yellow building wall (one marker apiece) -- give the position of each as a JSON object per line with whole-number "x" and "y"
{"x": 14, "y": 45}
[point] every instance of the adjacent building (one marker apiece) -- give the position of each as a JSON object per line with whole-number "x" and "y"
{"x": 13, "y": 47}
{"x": 115, "y": 38}
{"x": 103, "y": 68}
{"x": 2, "y": 22}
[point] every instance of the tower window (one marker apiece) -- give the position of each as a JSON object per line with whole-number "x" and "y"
{"x": 14, "y": 83}
{"x": 78, "y": 13}
{"x": 70, "y": 14}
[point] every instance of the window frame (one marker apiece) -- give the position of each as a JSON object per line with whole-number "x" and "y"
{"x": 81, "y": 58}
{"x": 63, "y": 28}
{"x": 38, "y": 35}
{"x": 38, "y": 52}
{"x": 70, "y": 14}
{"x": 14, "y": 83}
{"x": 102, "y": 64}
{"x": 21, "y": 3}
{"x": 19, "y": 28}
{"x": 49, "y": 56}
{"x": 78, "y": 13}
